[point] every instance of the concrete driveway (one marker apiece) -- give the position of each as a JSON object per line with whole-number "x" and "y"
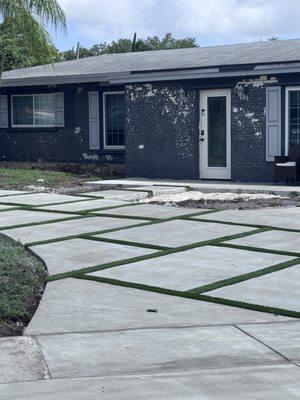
{"x": 152, "y": 302}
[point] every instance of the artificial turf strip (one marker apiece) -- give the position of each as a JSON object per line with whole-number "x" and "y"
{"x": 259, "y": 249}
{"x": 124, "y": 242}
{"x": 201, "y": 297}
{"x": 275, "y": 228}
{"x": 52, "y": 221}
{"x": 16, "y": 194}
{"x": 11, "y": 208}
{"x": 147, "y": 256}
{"x": 126, "y": 217}
{"x": 87, "y": 211}
{"x": 175, "y": 217}
{"x": 244, "y": 277}
{"x": 60, "y": 239}
{"x": 78, "y": 235}
{"x": 44, "y": 205}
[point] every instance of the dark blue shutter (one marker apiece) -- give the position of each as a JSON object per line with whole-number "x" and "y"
{"x": 59, "y": 110}
{"x": 3, "y": 112}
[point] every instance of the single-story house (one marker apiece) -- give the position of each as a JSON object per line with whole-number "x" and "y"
{"x": 219, "y": 112}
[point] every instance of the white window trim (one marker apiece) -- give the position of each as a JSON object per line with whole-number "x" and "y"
{"x": 25, "y": 125}
{"x": 106, "y": 146}
{"x": 287, "y": 90}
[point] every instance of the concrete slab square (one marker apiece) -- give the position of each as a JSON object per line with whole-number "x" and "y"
{"x": 286, "y": 218}
{"x": 192, "y": 268}
{"x": 161, "y": 190}
{"x": 74, "y": 254}
{"x": 282, "y": 337}
{"x": 278, "y": 289}
{"x": 280, "y": 382}
{"x": 20, "y": 360}
{"x": 152, "y": 211}
{"x": 177, "y": 233}
{"x": 22, "y": 217}
{"x": 66, "y": 228}
{"x": 274, "y": 240}
{"x": 37, "y": 199}
{"x": 4, "y": 192}
{"x": 152, "y": 350}
{"x": 119, "y": 194}
{"x": 85, "y": 205}
{"x": 74, "y": 305}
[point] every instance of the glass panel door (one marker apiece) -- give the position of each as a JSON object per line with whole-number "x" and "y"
{"x": 214, "y": 135}
{"x": 216, "y": 131}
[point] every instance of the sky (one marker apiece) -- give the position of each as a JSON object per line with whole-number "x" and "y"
{"x": 211, "y": 22}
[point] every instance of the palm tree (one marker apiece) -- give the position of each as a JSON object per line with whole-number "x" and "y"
{"x": 29, "y": 19}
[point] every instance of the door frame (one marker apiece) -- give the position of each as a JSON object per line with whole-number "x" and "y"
{"x": 206, "y": 172}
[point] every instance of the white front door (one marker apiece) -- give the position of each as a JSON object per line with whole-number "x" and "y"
{"x": 215, "y": 145}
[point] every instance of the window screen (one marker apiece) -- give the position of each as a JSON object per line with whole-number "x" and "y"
{"x": 114, "y": 119}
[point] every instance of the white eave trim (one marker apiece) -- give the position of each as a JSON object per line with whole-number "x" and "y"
{"x": 128, "y": 77}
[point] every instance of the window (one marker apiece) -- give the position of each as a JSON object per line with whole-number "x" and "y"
{"x": 113, "y": 120}
{"x": 38, "y": 110}
{"x": 294, "y": 117}
{"x": 292, "y": 137}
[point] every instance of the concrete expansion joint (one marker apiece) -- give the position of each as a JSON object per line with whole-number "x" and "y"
{"x": 264, "y": 344}
{"x": 43, "y": 356}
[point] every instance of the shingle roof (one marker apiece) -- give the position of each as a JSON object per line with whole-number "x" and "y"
{"x": 111, "y": 65}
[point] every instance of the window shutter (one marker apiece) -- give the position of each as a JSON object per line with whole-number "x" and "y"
{"x": 59, "y": 110}
{"x": 273, "y": 122}
{"x": 94, "y": 126}
{"x": 3, "y": 112}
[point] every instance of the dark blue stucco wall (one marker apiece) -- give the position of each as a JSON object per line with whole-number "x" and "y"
{"x": 248, "y": 133}
{"x": 163, "y": 129}
{"x": 67, "y": 144}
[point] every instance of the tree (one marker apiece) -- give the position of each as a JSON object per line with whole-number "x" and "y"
{"x": 127, "y": 45}
{"x": 24, "y": 29}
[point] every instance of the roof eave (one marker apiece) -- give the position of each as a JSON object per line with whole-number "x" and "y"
{"x": 128, "y": 77}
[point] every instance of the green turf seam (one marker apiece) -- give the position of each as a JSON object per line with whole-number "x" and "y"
{"x": 190, "y": 216}
{"x": 244, "y": 277}
{"x": 126, "y": 216}
{"x": 43, "y": 205}
{"x": 147, "y": 256}
{"x": 258, "y": 249}
{"x": 52, "y": 221}
{"x": 86, "y": 270}
{"x": 86, "y": 211}
{"x": 123, "y": 242}
{"x": 98, "y": 232}
{"x": 155, "y": 220}
{"x": 15, "y": 194}
{"x": 201, "y": 297}
{"x": 60, "y": 239}
{"x": 11, "y": 209}
{"x": 275, "y": 228}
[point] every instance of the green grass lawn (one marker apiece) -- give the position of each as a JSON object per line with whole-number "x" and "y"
{"x": 22, "y": 276}
{"x": 16, "y": 177}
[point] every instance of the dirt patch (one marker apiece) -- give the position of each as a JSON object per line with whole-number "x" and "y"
{"x": 227, "y": 201}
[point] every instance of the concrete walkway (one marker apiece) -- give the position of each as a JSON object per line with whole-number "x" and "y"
{"x": 152, "y": 302}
